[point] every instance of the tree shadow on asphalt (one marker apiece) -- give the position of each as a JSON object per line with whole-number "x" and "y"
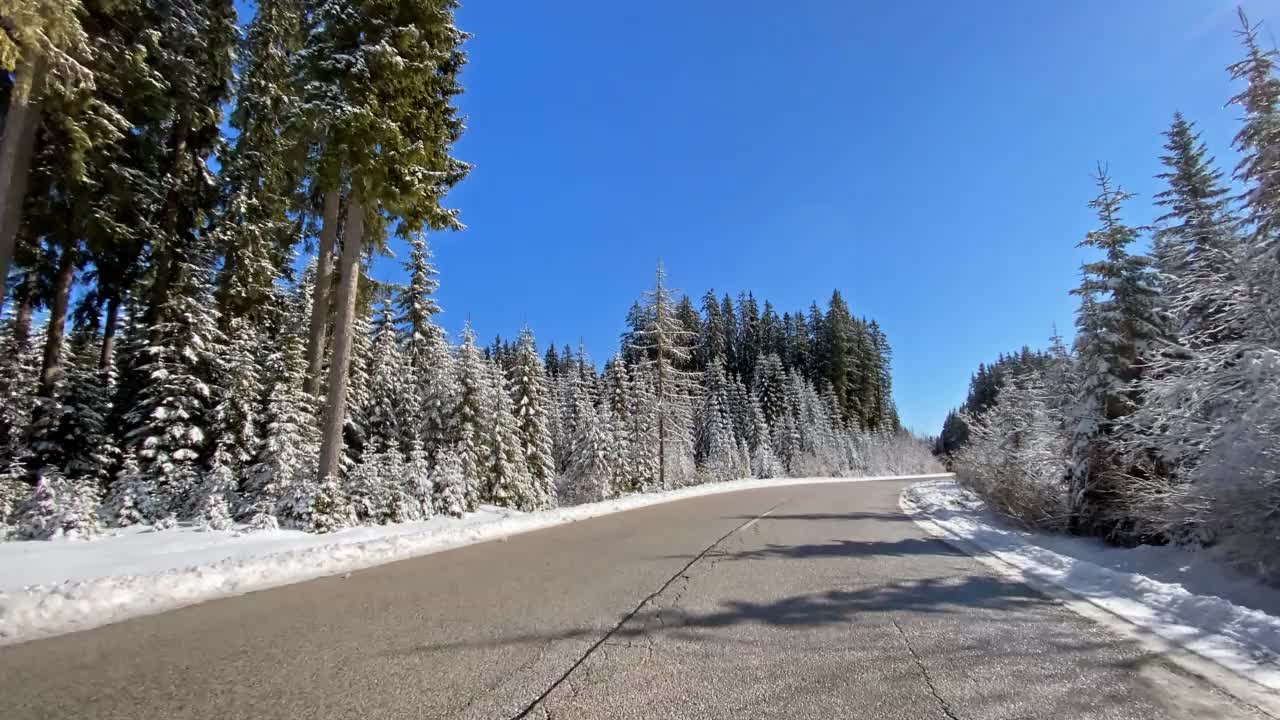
{"x": 838, "y": 607}
{"x": 939, "y": 595}
{"x": 887, "y": 517}
{"x": 837, "y": 549}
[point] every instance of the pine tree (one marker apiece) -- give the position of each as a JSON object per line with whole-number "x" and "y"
{"x": 255, "y": 234}
{"x": 715, "y": 443}
{"x": 468, "y": 431}
{"x": 386, "y": 406}
{"x": 379, "y": 86}
{"x": 764, "y": 462}
{"x": 170, "y": 421}
{"x": 59, "y": 506}
{"x": 450, "y": 484}
{"x": 589, "y": 473}
{"x": 18, "y": 373}
{"x": 280, "y": 479}
{"x": 1195, "y": 247}
{"x": 507, "y": 482}
{"x": 664, "y": 346}
{"x": 532, "y": 411}
{"x": 235, "y": 417}
{"x": 439, "y": 396}
{"x": 1119, "y": 324}
{"x": 87, "y": 449}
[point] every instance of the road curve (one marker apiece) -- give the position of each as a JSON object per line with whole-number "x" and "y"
{"x": 811, "y": 601}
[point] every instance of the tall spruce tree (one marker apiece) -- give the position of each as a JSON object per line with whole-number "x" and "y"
{"x": 1119, "y": 324}
{"x": 532, "y": 411}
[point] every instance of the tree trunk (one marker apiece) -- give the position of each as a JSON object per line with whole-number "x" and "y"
{"x": 320, "y": 293}
{"x": 25, "y": 295}
{"x": 349, "y": 276}
{"x": 109, "y": 333}
{"x": 51, "y": 368}
{"x": 166, "y": 254}
{"x": 16, "y": 147}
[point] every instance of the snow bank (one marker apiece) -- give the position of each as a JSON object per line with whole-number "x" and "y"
{"x": 1185, "y": 598}
{"x": 53, "y": 587}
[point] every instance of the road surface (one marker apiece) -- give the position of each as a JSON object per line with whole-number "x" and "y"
{"x": 814, "y": 601}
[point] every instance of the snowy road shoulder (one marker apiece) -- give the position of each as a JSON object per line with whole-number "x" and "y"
{"x": 1185, "y": 599}
{"x": 54, "y": 587}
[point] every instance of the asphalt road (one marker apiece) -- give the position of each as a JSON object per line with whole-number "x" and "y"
{"x": 816, "y": 601}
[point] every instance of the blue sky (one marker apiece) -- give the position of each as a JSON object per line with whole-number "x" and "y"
{"x": 932, "y": 160}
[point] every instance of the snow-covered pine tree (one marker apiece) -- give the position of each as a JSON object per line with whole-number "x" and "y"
{"x": 663, "y": 345}
{"x": 355, "y": 426}
{"x": 18, "y": 373}
{"x": 374, "y": 485}
{"x": 617, "y": 396}
{"x": 254, "y": 233}
{"x": 439, "y": 393}
{"x": 769, "y": 387}
{"x": 449, "y": 484}
{"x": 1259, "y": 168}
{"x": 468, "y": 431}
{"x": 386, "y": 408}
{"x": 589, "y": 473}
{"x": 533, "y": 410}
{"x": 415, "y": 497}
{"x": 567, "y": 385}
{"x": 1195, "y": 247}
{"x": 764, "y": 462}
{"x": 59, "y": 507}
{"x": 641, "y": 434}
{"x": 379, "y": 87}
{"x": 280, "y": 480}
{"x": 715, "y": 443}
{"x": 170, "y": 422}
{"x": 89, "y": 452}
{"x": 506, "y": 478}
{"x": 236, "y": 417}
{"x": 417, "y": 307}
{"x": 1119, "y": 323}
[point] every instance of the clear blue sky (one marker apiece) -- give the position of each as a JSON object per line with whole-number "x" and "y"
{"x": 932, "y": 160}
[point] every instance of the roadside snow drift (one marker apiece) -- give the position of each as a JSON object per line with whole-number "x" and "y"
{"x": 59, "y": 586}
{"x": 1186, "y": 598}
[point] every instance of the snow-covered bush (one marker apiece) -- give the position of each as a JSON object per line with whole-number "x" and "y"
{"x": 1015, "y": 459}
{"x": 59, "y": 507}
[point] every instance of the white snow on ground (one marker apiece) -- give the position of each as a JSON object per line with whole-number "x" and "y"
{"x": 58, "y": 586}
{"x": 1184, "y": 597}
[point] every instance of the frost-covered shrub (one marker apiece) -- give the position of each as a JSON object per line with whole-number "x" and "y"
{"x": 1015, "y": 457}
{"x": 59, "y": 507}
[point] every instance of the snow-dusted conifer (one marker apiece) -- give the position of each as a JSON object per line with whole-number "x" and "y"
{"x": 59, "y": 506}
{"x": 170, "y": 422}
{"x": 663, "y": 347}
{"x": 468, "y": 432}
{"x": 449, "y": 484}
{"x": 280, "y": 477}
{"x": 1119, "y": 324}
{"x": 589, "y": 473}
{"x": 507, "y": 482}
{"x": 386, "y": 406}
{"x": 532, "y": 410}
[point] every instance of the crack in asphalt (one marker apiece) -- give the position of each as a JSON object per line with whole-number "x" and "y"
{"x": 682, "y": 573}
{"x": 924, "y": 673}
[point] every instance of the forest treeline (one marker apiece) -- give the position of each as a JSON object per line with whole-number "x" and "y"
{"x": 191, "y": 332}
{"x": 1161, "y": 422}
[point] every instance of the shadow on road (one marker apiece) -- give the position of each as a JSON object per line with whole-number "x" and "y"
{"x": 838, "y": 549}
{"x": 887, "y": 517}
{"x": 956, "y": 595}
